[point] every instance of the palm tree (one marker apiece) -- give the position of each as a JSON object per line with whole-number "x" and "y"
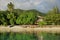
{"x": 10, "y": 7}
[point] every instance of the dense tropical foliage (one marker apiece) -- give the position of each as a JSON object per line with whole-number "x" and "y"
{"x": 53, "y": 17}
{"x": 17, "y": 17}
{"x": 13, "y": 16}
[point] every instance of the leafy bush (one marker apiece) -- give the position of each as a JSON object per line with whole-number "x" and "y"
{"x": 26, "y": 18}
{"x": 12, "y": 18}
{"x": 42, "y": 23}
{"x": 53, "y": 17}
{"x": 3, "y": 20}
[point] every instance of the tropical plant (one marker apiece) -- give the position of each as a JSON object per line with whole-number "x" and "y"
{"x": 41, "y": 23}
{"x": 10, "y": 7}
{"x": 53, "y": 17}
{"x": 26, "y": 18}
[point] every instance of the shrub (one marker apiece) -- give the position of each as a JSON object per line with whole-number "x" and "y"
{"x": 11, "y": 18}
{"x": 26, "y": 18}
{"x": 53, "y": 17}
{"x": 42, "y": 23}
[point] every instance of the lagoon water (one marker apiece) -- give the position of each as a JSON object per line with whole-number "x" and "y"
{"x": 29, "y": 36}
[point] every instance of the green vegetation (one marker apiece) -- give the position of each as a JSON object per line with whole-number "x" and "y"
{"x": 14, "y": 19}
{"x": 13, "y": 16}
{"x": 17, "y": 17}
{"x": 42, "y": 23}
{"x": 26, "y": 18}
{"x": 53, "y": 17}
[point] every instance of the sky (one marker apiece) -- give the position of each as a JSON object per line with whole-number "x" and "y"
{"x": 40, "y": 5}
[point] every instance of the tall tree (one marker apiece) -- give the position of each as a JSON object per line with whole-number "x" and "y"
{"x": 55, "y": 10}
{"x": 10, "y": 7}
{"x": 11, "y": 16}
{"x": 53, "y": 17}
